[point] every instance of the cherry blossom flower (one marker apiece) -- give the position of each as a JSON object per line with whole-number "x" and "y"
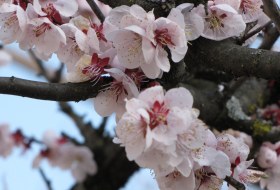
{"x": 267, "y": 156}
{"x": 124, "y": 16}
{"x": 13, "y": 22}
{"x": 140, "y": 39}
{"x": 165, "y": 33}
{"x": 70, "y": 52}
{"x": 56, "y": 9}
{"x": 222, "y": 21}
{"x": 161, "y": 131}
{"x": 269, "y": 159}
{"x": 194, "y": 24}
{"x": 250, "y": 10}
{"x": 147, "y": 113}
{"x": 6, "y": 141}
{"x": 112, "y": 98}
{"x": 62, "y": 153}
{"x": 90, "y": 67}
{"x": 41, "y": 33}
{"x": 237, "y": 152}
{"x": 241, "y": 136}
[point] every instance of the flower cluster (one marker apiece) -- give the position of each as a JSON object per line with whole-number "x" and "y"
{"x": 130, "y": 45}
{"x": 9, "y": 140}
{"x": 162, "y": 132}
{"x": 159, "y": 130}
{"x": 60, "y": 152}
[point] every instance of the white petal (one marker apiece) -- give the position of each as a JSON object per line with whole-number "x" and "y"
{"x": 105, "y": 103}
{"x": 180, "y": 97}
{"x": 66, "y": 9}
{"x": 161, "y": 59}
{"x": 129, "y": 48}
{"x": 151, "y": 95}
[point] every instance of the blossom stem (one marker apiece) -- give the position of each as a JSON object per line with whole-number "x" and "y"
{"x": 234, "y": 183}
{"x": 46, "y": 180}
{"x": 254, "y": 32}
{"x": 96, "y": 10}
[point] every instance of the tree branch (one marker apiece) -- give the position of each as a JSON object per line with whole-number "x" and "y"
{"x": 271, "y": 34}
{"x": 233, "y": 59}
{"x": 96, "y": 10}
{"x": 46, "y": 180}
{"x": 50, "y": 91}
{"x": 254, "y": 32}
{"x": 234, "y": 183}
{"x": 272, "y": 10}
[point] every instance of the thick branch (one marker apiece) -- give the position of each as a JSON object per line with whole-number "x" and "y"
{"x": 233, "y": 59}
{"x": 50, "y": 91}
{"x": 272, "y": 10}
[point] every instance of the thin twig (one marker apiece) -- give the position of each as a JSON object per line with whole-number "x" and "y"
{"x": 235, "y": 183}
{"x": 254, "y": 32}
{"x": 46, "y": 180}
{"x": 58, "y": 74}
{"x": 73, "y": 140}
{"x": 102, "y": 126}
{"x": 96, "y": 10}
{"x": 39, "y": 63}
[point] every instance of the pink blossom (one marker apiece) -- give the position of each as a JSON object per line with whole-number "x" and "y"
{"x": 6, "y": 141}
{"x": 41, "y": 33}
{"x": 194, "y": 24}
{"x": 55, "y": 9}
{"x": 140, "y": 40}
{"x": 241, "y": 136}
{"x": 222, "y": 21}
{"x": 250, "y": 10}
{"x": 13, "y": 22}
{"x": 65, "y": 155}
{"x": 90, "y": 67}
{"x": 112, "y": 98}
{"x": 150, "y": 111}
{"x": 124, "y": 16}
{"x": 267, "y": 156}
{"x": 161, "y": 131}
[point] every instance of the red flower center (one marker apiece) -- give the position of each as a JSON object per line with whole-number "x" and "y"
{"x": 52, "y": 14}
{"x": 96, "y": 68}
{"x": 39, "y": 30}
{"x": 99, "y": 31}
{"x": 158, "y": 115}
{"x": 163, "y": 38}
